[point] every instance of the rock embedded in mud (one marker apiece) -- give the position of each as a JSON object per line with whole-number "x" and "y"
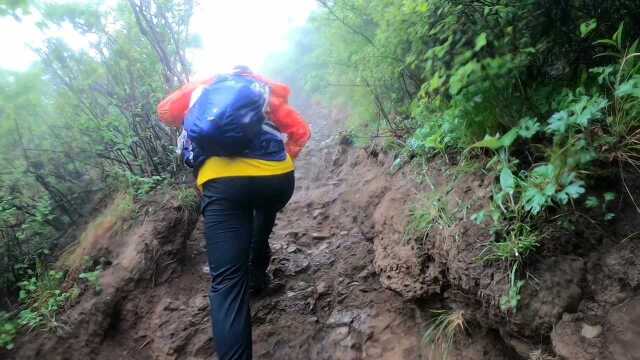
{"x": 341, "y": 317}
{"x": 591, "y": 332}
{"x": 294, "y": 234}
{"x": 322, "y": 288}
{"x": 568, "y": 342}
{"x": 339, "y": 333}
{"x": 320, "y": 236}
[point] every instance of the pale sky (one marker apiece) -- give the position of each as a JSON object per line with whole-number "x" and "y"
{"x": 232, "y": 32}
{"x": 244, "y": 31}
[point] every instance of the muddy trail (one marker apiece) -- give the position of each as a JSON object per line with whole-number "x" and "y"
{"x": 327, "y": 302}
{"x": 351, "y": 283}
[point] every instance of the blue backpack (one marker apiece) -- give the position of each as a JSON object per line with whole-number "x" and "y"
{"x": 227, "y": 117}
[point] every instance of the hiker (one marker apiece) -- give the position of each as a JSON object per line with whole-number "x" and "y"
{"x": 245, "y": 170}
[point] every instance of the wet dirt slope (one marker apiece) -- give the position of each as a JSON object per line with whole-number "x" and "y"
{"x": 330, "y": 304}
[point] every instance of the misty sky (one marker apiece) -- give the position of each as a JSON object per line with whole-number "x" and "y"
{"x": 232, "y": 32}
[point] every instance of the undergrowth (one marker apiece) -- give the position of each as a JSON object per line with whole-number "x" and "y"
{"x": 429, "y": 211}
{"x": 590, "y": 124}
{"x": 443, "y": 329}
{"x": 554, "y": 110}
{"x": 46, "y": 292}
{"x": 42, "y": 298}
{"x": 188, "y": 198}
{"x": 112, "y": 220}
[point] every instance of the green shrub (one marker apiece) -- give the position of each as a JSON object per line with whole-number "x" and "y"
{"x": 8, "y": 331}
{"x": 93, "y": 278}
{"x": 188, "y": 198}
{"x": 42, "y": 298}
{"x": 138, "y": 186}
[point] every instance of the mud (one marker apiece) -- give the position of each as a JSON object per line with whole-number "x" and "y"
{"x": 354, "y": 284}
{"x": 331, "y": 304}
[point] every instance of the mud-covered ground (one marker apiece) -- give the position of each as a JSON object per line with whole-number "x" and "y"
{"x": 352, "y": 284}
{"x": 328, "y": 304}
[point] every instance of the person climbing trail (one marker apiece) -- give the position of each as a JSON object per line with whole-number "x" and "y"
{"x": 235, "y": 127}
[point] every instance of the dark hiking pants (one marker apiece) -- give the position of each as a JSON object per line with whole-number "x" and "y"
{"x": 239, "y": 214}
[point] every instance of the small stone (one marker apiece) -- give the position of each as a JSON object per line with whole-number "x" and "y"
{"x": 373, "y": 351}
{"x": 344, "y": 233}
{"x": 291, "y": 249}
{"x": 340, "y": 333}
{"x": 366, "y": 273}
{"x": 199, "y": 303}
{"x": 349, "y": 342}
{"x": 294, "y": 234}
{"x": 320, "y": 236}
{"x": 317, "y": 213}
{"x": 591, "y": 332}
{"x": 341, "y": 318}
{"x": 322, "y": 288}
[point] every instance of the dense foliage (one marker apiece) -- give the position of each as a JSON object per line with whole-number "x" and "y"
{"x": 82, "y": 122}
{"x": 549, "y": 90}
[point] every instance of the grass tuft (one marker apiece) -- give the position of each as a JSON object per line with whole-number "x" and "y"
{"x": 519, "y": 241}
{"x": 427, "y": 212}
{"x": 445, "y": 326}
{"x": 112, "y": 220}
{"x": 539, "y": 355}
{"x": 188, "y": 198}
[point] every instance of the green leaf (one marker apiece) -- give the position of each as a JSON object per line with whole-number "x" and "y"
{"x": 489, "y": 142}
{"x": 528, "y": 127}
{"x": 478, "y": 217}
{"x": 461, "y": 76}
{"x": 497, "y": 142}
{"x": 534, "y": 200}
{"x": 572, "y": 191}
{"x": 629, "y": 88}
{"x": 558, "y": 123}
{"x": 587, "y": 109}
{"x": 587, "y": 27}
{"x": 609, "y": 196}
{"x": 605, "y": 74}
{"x": 481, "y": 41}
{"x": 436, "y": 81}
{"x": 592, "y": 202}
{"x": 507, "y": 180}
{"x": 507, "y": 139}
{"x": 606, "y": 42}
{"x": 617, "y": 37}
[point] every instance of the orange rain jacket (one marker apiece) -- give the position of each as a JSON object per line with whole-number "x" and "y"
{"x": 173, "y": 109}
